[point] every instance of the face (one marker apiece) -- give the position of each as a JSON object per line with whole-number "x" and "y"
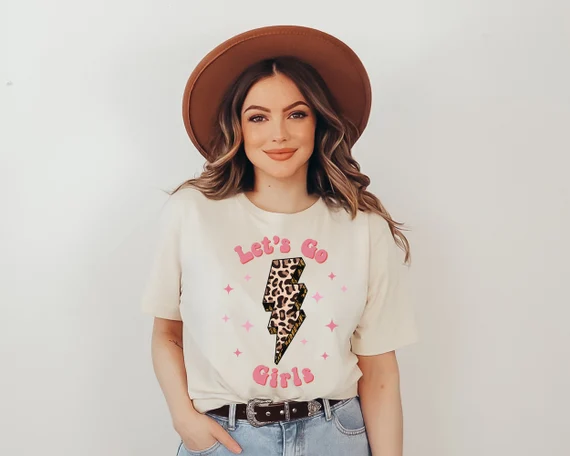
{"x": 278, "y": 128}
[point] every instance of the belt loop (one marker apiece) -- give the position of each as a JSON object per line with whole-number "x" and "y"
{"x": 328, "y": 414}
{"x": 287, "y": 411}
{"x": 232, "y": 417}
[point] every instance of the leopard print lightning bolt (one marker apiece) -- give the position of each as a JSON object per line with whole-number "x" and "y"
{"x": 283, "y": 297}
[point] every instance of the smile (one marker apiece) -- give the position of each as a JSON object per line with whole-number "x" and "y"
{"x": 280, "y": 154}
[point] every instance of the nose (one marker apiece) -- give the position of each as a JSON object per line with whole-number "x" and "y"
{"x": 280, "y": 133}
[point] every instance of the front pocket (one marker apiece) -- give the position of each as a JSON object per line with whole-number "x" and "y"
{"x": 348, "y": 417}
{"x": 205, "y": 452}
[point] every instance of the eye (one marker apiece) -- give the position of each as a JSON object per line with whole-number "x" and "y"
{"x": 253, "y": 118}
{"x": 302, "y": 114}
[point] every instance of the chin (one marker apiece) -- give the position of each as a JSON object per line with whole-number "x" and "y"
{"x": 281, "y": 170}
{"x": 282, "y": 174}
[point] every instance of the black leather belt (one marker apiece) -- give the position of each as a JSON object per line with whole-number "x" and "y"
{"x": 262, "y": 411}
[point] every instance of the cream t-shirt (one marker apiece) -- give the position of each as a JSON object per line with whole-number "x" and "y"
{"x": 276, "y": 306}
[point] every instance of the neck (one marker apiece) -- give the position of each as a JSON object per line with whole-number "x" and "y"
{"x": 281, "y": 195}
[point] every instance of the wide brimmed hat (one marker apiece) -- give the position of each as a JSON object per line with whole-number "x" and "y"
{"x": 336, "y": 62}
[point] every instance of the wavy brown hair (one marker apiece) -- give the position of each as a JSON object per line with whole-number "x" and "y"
{"x": 333, "y": 173}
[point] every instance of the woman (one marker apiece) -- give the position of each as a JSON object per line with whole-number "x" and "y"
{"x": 275, "y": 288}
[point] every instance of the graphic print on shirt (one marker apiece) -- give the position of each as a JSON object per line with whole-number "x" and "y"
{"x": 283, "y": 297}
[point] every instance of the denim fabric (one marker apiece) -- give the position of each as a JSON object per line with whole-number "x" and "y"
{"x": 336, "y": 430}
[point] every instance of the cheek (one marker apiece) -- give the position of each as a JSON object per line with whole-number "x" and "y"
{"x": 253, "y": 142}
{"x": 306, "y": 134}
{"x": 252, "y": 136}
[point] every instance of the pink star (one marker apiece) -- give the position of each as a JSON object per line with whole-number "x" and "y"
{"x": 228, "y": 288}
{"x": 317, "y": 296}
{"x": 331, "y": 275}
{"x": 304, "y": 341}
{"x": 237, "y": 352}
{"x": 343, "y": 288}
{"x": 247, "y": 277}
{"x": 332, "y": 325}
{"x": 325, "y": 356}
{"x": 247, "y": 325}
{"x": 225, "y": 318}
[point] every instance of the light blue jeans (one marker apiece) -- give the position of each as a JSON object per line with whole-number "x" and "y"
{"x": 336, "y": 430}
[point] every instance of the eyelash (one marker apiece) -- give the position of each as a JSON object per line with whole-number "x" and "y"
{"x": 304, "y": 114}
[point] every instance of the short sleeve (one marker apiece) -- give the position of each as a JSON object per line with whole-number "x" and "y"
{"x": 388, "y": 320}
{"x": 161, "y": 295}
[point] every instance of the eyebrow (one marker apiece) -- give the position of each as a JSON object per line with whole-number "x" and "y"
{"x": 261, "y": 108}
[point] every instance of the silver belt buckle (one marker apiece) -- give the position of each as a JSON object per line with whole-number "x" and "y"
{"x": 250, "y": 411}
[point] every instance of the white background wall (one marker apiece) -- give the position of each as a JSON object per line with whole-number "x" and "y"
{"x": 468, "y": 143}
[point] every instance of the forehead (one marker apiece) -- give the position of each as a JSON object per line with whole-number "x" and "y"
{"x": 274, "y": 90}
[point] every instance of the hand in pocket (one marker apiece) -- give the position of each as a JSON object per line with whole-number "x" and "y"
{"x": 202, "y": 432}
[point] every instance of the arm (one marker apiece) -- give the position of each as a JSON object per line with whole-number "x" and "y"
{"x": 161, "y": 298}
{"x": 379, "y": 391}
{"x": 168, "y": 363}
{"x": 195, "y": 428}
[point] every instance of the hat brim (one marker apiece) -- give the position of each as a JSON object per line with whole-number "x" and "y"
{"x": 337, "y": 63}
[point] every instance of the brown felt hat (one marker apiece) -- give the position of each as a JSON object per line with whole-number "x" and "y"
{"x": 337, "y": 63}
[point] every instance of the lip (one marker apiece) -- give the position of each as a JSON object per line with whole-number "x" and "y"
{"x": 281, "y": 154}
{"x": 287, "y": 150}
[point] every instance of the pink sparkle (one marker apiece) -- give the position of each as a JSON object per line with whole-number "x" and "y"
{"x": 225, "y": 318}
{"x": 343, "y": 288}
{"x": 325, "y": 356}
{"x": 317, "y": 296}
{"x": 247, "y": 325}
{"x": 304, "y": 341}
{"x": 332, "y": 325}
{"x": 332, "y": 275}
{"x": 228, "y": 288}
{"x": 237, "y": 352}
{"x": 247, "y": 277}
